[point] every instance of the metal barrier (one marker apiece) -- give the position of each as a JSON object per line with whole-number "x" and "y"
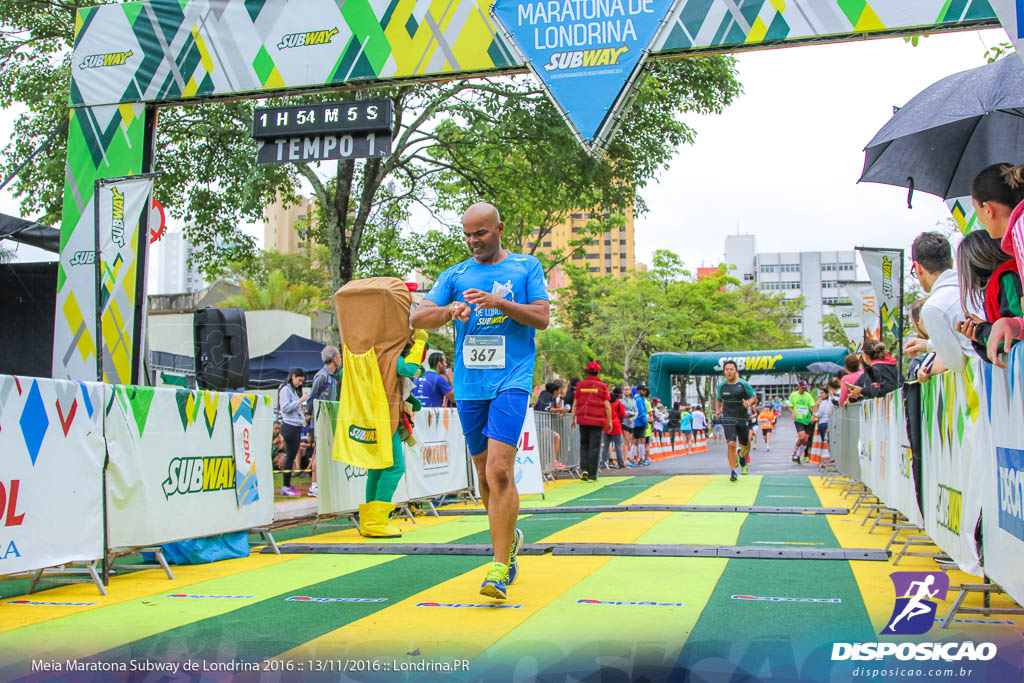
{"x": 558, "y": 443}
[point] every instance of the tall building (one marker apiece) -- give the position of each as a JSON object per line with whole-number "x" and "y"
{"x": 613, "y": 252}
{"x": 815, "y": 275}
{"x": 174, "y": 275}
{"x": 284, "y": 228}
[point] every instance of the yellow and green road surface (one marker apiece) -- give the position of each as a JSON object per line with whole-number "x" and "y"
{"x": 355, "y": 616}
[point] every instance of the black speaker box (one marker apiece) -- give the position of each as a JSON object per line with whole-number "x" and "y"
{"x": 221, "y": 349}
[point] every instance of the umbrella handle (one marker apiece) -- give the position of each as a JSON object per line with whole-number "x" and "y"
{"x": 910, "y": 194}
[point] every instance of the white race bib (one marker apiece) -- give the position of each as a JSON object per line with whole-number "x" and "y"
{"x": 484, "y": 352}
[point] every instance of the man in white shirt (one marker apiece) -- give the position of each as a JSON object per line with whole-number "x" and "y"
{"x": 933, "y": 267}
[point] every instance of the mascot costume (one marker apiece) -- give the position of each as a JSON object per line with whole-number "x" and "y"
{"x": 380, "y": 358}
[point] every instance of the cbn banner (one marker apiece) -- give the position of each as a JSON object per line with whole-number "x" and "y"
{"x": 885, "y": 266}
{"x": 955, "y": 446}
{"x": 1002, "y": 474}
{"x": 122, "y": 207}
{"x": 172, "y": 472}
{"x": 243, "y": 434}
{"x": 853, "y": 327}
{"x": 51, "y": 441}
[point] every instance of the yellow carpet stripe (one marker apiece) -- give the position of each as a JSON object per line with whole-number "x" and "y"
{"x": 81, "y": 635}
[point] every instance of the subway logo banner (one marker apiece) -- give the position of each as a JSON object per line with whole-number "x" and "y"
{"x": 51, "y": 444}
{"x": 586, "y": 53}
{"x": 173, "y": 468}
{"x": 123, "y": 240}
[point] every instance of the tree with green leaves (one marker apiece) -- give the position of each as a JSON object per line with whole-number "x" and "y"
{"x": 833, "y": 332}
{"x": 558, "y": 353}
{"x": 277, "y": 294}
{"x": 453, "y": 142}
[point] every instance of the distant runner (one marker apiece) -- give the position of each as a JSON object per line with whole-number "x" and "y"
{"x": 734, "y": 399}
{"x": 767, "y": 419}
{"x": 802, "y": 403}
{"x": 496, "y": 300}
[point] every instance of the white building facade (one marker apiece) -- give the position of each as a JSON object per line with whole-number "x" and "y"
{"x": 814, "y": 275}
{"x": 174, "y": 275}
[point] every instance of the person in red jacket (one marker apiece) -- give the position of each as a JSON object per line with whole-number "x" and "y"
{"x": 591, "y": 409}
{"x": 613, "y": 436}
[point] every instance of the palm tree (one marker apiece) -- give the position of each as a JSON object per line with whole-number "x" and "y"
{"x": 277, "y": 295}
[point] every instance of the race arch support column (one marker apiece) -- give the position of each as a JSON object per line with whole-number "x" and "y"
{"x": 107, "y": 141}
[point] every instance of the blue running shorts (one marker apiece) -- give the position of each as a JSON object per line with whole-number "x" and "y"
{"x": 500, "y": 418}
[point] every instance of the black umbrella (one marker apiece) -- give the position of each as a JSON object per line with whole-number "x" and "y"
{"x": 952, "y": 130}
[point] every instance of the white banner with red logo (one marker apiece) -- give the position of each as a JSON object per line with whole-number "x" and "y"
{"x": 172, "y": 469}
{"x": 1002, "y": 474}
{"x": 51, "y": 481}
{"x": 243, "y": 442}
{"x": 528, "y": 475}
{"x": 437, "y": 463}
{"x": 865, "y": 305}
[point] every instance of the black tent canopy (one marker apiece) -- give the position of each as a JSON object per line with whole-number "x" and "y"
{"x": 267, "y": 372}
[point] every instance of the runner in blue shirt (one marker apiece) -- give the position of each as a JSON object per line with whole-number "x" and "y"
{"x": 432, "y": 388}
{"x": 497, "y": 300}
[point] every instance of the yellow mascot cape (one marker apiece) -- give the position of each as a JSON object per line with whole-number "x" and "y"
{"x": 373, "y": 317}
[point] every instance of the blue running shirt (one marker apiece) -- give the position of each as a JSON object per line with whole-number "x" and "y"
{"x": 518, "y": 278}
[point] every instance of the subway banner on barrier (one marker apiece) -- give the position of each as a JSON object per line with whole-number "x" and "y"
{"x": 51, "y": 444}
{"x": 123, "y": 210}
{"x": 885, "y": 266}
{"x": 587, "y": 54}
{"x": 172, "y": 466}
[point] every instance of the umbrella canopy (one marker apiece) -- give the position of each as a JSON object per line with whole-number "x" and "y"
{"x": 952, "y": 130}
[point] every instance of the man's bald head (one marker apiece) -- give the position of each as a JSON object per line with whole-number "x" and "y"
{"x": 482, "y": 226}
{"x": 481, "y": 214}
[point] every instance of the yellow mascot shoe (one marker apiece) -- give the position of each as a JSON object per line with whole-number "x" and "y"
{"x": 373, "y": 520}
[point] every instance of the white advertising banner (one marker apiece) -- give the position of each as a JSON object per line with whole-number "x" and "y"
{"x": 51, "y": 483}
{"x": 886, "y": 459}
{"x": 243, "y": 411}
{"x": 437, "y": 463}
{"x": 853, "y": 328}
{"x": 865, "y": 303}
{"x": 172, "y": 471}
{"x": 528, "y": 475}
{"x": 123, "y": 206}
{"x": 884, "y": 266}
{"x": 955, "y": 444}
{"x": 1002, "y": 474}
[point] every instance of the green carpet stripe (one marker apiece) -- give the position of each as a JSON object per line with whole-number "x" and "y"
{"x": 648, "y": 633}
{"x": 760, "y": 635}
{"x": 301, "y": 622}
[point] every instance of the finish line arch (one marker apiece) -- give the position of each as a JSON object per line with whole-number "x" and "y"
{"x": 132, "y": 57}
{"x": 777, "y": 362}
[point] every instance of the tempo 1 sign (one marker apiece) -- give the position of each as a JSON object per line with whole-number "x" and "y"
{"x": 324, "y": 132}
{"x": 325, "y": 148}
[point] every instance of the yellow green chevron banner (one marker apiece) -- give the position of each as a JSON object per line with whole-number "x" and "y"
{"x": 131, "y": 54}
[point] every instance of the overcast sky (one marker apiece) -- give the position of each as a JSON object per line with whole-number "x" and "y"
{"x": 782, "y": 162}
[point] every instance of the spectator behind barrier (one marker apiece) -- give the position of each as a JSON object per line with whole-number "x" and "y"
{"x": 847, "y": 382}
{"x": 932, "y": 265}
{"x": 880, "y": 372}
{"x": 988, "y": 279}
{"x": 998, "y": 196}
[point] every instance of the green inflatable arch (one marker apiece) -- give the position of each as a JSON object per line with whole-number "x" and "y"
{"x": 783, "y": 361}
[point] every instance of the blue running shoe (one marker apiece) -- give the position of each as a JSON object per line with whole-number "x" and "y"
{"x": 513, "y": 562}
{"x": 495, "y": 585}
